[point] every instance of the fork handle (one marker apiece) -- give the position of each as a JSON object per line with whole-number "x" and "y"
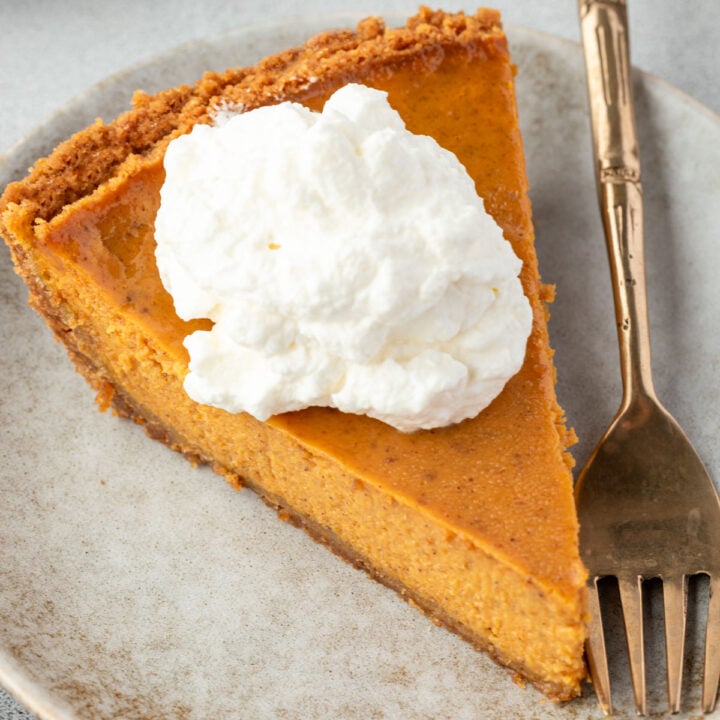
{"x": 604, "y": 28}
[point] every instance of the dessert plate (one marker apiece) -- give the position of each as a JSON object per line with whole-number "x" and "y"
{"x": 134, "y": 586}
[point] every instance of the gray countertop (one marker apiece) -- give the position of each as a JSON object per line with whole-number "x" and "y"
{"x": 50, "y": 52}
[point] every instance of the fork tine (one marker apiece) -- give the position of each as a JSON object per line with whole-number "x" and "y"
{"x": 712, "y": 647}
{"x": 631, "y": 600}
{"x": 675, "y": 602}
{"x": 595, "y": 649}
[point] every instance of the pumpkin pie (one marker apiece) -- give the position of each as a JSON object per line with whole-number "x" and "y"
{"x": 474, "y": 523}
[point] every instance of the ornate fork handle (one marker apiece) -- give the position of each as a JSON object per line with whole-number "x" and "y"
{"x": 605, "y": 40}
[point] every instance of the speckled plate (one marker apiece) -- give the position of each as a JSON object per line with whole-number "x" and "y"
{"x": 133, "y": 586}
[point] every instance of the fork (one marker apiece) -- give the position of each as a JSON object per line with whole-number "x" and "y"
{"x": 646, "y": 504}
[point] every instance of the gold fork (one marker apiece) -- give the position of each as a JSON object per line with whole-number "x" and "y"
{"x": 647, "y": 506}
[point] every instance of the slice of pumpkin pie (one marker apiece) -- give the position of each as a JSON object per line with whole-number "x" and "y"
{"x": 470, "y": 517}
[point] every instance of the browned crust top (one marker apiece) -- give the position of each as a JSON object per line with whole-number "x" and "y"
{"x": 91, "y": 157}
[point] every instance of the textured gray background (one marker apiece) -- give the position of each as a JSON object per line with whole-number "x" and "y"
{"x": 51, "y": 51}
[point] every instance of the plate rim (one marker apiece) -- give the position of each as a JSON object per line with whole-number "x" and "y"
{"x": 73, "y": 105}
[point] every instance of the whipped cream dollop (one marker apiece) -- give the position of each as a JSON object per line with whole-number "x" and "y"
{"x": 345, "y": 262}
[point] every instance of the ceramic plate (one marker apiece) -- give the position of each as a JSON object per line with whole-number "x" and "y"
{"x": 133, "y": 586}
